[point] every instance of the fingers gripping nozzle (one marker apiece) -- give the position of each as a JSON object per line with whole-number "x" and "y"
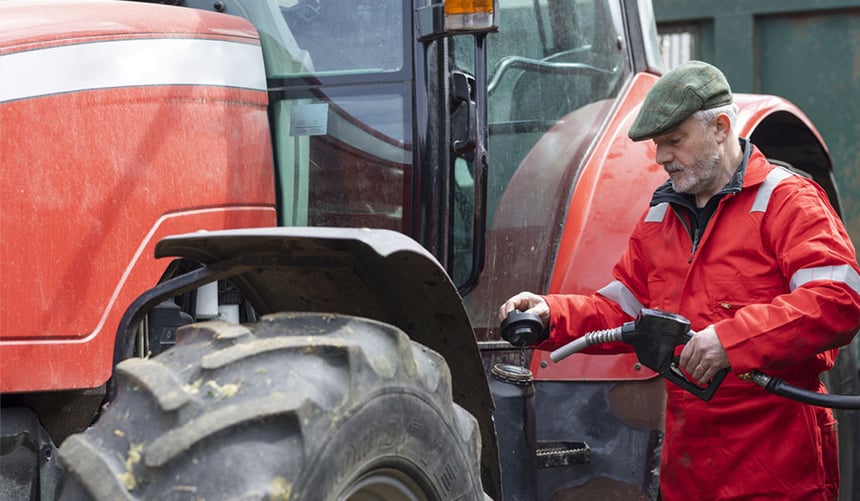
{"x": 653, "y": 335}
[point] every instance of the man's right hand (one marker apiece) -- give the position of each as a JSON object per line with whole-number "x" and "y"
{"x": 528, "y": 302}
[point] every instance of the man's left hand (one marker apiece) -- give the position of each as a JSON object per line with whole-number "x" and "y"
{"x": 704, "y": 355}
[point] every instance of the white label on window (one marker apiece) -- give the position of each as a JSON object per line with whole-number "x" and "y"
{"x": 309, "y": 119}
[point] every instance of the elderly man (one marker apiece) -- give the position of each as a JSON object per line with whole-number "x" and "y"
{"x": 758, "y": 261}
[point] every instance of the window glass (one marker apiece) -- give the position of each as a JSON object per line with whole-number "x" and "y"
{"x": 678, "y": 44}
{"x": 549, "y": 59}
{"x": 345, "y": 156}
{"x": 369, "y": 39}
{"x": 555, "y": 69}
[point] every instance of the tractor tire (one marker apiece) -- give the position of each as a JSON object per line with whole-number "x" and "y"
{"x": 296, "y": 407}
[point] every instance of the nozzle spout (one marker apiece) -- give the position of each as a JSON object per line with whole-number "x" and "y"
{"x": 591, "y": 338}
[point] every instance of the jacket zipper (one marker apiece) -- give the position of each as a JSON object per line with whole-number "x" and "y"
{"x": 696, "y": 237}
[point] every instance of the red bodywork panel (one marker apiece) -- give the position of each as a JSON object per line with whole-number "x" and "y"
{"x": 610, "y": 195}
{"x": 123, "y": 124}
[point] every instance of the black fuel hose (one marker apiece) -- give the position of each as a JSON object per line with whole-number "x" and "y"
{"x": 652, "y": 326}
{"x": 779, "y": 387}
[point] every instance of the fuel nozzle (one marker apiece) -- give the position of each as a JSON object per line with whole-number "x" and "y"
{"x": 653, "y": 335}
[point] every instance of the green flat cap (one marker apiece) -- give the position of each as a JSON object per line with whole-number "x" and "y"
{"x": 684, "y": 90}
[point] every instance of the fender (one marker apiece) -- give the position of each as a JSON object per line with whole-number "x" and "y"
{"x": 378, "y": 274}
{"x": 784, "y": 133}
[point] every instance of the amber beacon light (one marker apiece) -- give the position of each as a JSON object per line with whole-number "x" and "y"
{"x": 469, "y": 15}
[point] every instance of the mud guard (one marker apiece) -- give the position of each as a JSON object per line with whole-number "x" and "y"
{"x": 377, "y": 274}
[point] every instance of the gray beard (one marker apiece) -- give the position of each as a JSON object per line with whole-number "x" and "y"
{"x": 701, "y": 168}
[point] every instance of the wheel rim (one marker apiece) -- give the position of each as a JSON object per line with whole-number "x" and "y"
{"x": 384, "y": 484}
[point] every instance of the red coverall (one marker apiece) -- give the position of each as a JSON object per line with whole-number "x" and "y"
{"x": 776, "y": 273}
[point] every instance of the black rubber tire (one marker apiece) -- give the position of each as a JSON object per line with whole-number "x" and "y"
{"x": 296, "y": 407}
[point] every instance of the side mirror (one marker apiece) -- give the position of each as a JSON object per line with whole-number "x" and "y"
{"x": 463, "y": 115}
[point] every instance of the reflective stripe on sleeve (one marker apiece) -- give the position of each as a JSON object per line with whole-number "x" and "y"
{"x": 762, "y": 197}
{"x": 131, "y": 63}
{"x": 657, "y": 213}
{"x": 618, "y": 292}
{"x": 843, "y": 273}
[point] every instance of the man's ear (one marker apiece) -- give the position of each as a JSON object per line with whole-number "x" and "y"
{"x": 724, "y": 126}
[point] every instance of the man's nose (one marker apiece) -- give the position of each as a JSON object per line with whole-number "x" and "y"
{"x": 663, "y": 156}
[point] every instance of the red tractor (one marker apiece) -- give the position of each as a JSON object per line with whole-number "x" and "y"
{"x": 263, "y": 244}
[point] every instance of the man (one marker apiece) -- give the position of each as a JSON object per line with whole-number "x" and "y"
{"x": 761, "y": 265}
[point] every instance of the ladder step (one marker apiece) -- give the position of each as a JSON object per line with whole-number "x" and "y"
{"x": 553, "y": 454}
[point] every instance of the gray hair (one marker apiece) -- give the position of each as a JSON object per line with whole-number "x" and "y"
{"x": 705, "y": 117}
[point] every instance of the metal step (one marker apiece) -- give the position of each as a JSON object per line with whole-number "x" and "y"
{"x": 554, "y": 454}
